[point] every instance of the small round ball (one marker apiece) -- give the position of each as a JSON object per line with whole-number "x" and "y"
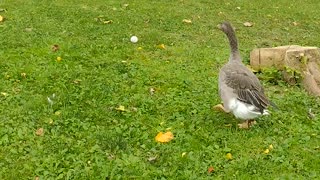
{"x": 134, "y": 39}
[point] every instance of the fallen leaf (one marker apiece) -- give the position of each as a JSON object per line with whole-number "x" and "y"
{"x": 55, "y": 48}
{"x": 183, "y": 154}
{"x": 1, "y": 18}
{"x": 139, "y": 48}
{"x": 107, "y": 22}
{"x": 164, "y": 137}
{"x": 57, "y": 113}
{"x": 59, "y": 59}
{"x": 4, "y": 94}
{"x": 121, "y": 108}
{"x": 187, "y": 21}
{"x": 248, "y": 24}
{"x": 295, "y": 23}
{"x": 270, "y": 146}
{"x": 152, "y": 90}
{"x": 40, "y": 132}
{"x": 266, "y": 151}
{"x": 210, "y": 169}
{"x": 37, "y": 178}
{"x": 238, "y": 8}
{"x": 152, "y": 158}
{"x": 28, "y": 29}
{"x": 229, "y": 156}
{"x": 24, "y": 75}
{"x": 311, "y": 114}
{"x": 76, "y": 81}
{"x": 161, "y": 46}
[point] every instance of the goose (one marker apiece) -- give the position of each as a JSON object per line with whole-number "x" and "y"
{"x": 239, "y": 89}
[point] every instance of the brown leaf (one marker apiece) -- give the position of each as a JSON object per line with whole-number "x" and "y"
{"x": 248, "y": 24}
{"x": 55, "y": 48}
{"x": 40, "y": 132}
{"x": 210, "y": 169}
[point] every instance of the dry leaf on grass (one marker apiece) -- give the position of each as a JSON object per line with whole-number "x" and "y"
{"x": 57, "y": 113}
{"x": 4, "y": 94}
{"x": 164, "y": 137}
{"x": 161, "y": 46}
{"x": 270, "y": 146}
{"x": 55, "y": 48}
{"x": 24, "y": 75}
{"x": 121, "y": 108}
{"x": 1, "y": 18}
{"x": 187, "y": 21}
{"x": 210, "y": 169}
{"x": 152, "y": 90}
{"x": 40, "y": 132}
{"x": 248, "y": 24}
{"x": 229, "y": 156}
{"x": 59, "y": 59}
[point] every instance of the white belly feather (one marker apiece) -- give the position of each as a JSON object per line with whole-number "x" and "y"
{"x": 244, "y": 111}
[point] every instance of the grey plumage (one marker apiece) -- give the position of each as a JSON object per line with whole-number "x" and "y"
{"x": 236, "y": 81}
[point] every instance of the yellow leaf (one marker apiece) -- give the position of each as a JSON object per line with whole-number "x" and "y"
{"x": 187, "y": 21}
{"x": 266, "y": 151}
{"x": 59, "y": 59}
{"x": 121, "y": 108}
{"x": 161, "y": 46}
{"x": 57, "y": 113}
{"x": 1, "y": 18}
{"x": 248, "y": 24}
{"x": 23, "y": 75}
{"x": 107, "y": 22}
{"x": 164, "y": 137}
{"x": 50, "y": 121}
{"x": 183, "y": 154}
{"x": 4, "y": 94}
{"x": 139, "y": 48}
{"x": 229, "y": 156}
{"x": 270, "y": 146}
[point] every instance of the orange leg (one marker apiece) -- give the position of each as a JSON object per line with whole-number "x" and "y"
{"x": 247, "y": 124}
{"x": 220, "y": 107}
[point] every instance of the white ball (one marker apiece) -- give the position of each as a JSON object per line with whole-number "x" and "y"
{"x": 134, "y": 39}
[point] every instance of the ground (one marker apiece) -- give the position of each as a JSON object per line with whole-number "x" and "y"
{"x": 109, "y": 98}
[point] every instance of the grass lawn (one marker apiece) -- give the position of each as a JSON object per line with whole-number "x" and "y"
{"x": 80, "y": 134}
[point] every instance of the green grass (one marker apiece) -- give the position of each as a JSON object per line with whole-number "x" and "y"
{"x": 101, "y": 69}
